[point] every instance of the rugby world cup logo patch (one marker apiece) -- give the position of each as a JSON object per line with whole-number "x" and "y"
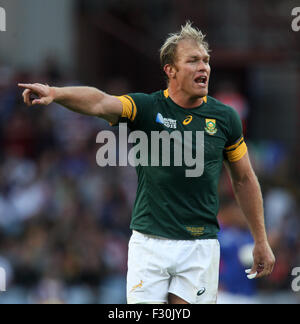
{"x": 169, "y": 123}
{"x": 210, "y": 128}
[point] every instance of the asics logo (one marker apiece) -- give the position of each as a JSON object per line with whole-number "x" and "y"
{"x": 187, "y": 120}
{"x": 201, "y": 291}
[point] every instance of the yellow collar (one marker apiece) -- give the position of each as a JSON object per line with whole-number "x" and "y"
{"x": 166, "y": 94}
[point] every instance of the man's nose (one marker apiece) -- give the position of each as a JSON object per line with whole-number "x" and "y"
{"x": 202, "y": 66}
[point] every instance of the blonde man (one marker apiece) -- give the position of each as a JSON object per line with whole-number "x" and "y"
{"x": 174, "y": 252}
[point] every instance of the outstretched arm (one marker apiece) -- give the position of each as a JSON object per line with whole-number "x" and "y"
{"x": 84, "y": 100}
{"x": 248, "y": 194}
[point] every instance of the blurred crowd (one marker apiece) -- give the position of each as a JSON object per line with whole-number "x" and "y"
{"x": 64, "y": 221}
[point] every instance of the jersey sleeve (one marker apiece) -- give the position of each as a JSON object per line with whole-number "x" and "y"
{"x": 135, "y": 106}
{"x": 235, "y": 147}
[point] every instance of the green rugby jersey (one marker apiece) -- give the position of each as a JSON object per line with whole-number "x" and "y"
{"x": 168, "y": 203}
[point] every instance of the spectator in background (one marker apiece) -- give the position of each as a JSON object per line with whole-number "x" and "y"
{"x": 283, "y": 227}
{"x": 52, "y": 212}
{"x": 236, "y": 256}
{"x": 228, "y": 94}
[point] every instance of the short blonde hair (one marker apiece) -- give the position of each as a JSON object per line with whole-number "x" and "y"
{"x": 188, "y": 32}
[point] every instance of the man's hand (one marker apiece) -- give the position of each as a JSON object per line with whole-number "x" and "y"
{"x": 84, "y": 100}
{"x": 44, "y": 94}
{"x": 264, "y": 261}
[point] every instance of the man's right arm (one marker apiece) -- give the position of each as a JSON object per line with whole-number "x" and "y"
{"x": 84, "y": 100}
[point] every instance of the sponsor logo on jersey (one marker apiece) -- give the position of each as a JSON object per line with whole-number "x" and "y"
{"x": 210, "y": 128}
{"x": 187, "y": 120}
{"x": 167, "y": 122}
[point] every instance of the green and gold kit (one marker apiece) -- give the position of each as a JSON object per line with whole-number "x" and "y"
{"x": 168, "y": 203}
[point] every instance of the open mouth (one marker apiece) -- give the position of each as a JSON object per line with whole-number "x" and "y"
{"x": 201, "y": 80}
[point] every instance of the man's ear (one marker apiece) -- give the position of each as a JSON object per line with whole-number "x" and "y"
{"x": 170, "y": 71}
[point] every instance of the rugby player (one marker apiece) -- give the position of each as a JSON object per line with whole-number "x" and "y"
{"x": 174, "y": 252}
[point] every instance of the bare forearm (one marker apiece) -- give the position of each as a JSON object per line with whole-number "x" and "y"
{"x": 249, "y": 197}
{"x": 84, "y": 100}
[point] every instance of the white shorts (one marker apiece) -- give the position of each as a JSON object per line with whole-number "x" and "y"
{"x": 157, "y": 266}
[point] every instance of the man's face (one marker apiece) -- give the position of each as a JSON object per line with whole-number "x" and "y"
{"x": 192, "y": 69}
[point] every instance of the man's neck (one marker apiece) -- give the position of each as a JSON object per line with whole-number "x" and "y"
{"x": 183, "y": 99}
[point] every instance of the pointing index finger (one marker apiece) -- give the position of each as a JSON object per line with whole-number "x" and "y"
{"x": 24, "y": 85}
{"x": 33, "y": 87}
